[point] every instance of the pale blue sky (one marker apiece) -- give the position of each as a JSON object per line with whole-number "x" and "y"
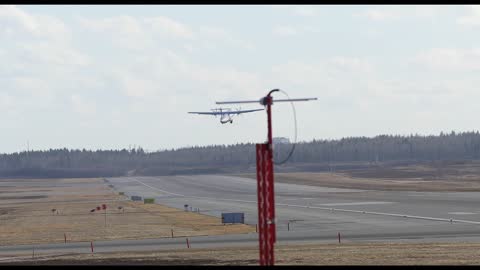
{"x": 106, "y": 77}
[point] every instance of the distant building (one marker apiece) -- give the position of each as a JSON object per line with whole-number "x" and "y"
{"x": 136, "y": 198}
{"x": 281, "y": 140}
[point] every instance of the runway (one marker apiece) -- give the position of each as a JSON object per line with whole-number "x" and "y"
{"x": 304, "y": 214}
{"x": 315, "y": 209}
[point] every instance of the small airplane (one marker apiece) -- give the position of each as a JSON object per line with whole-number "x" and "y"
{"x": 226, "y": 114}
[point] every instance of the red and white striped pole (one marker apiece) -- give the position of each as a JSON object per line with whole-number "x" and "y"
{"x": 265, "y": 190}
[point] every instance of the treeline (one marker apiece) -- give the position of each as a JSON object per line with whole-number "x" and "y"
{"x": 238, "y": 157}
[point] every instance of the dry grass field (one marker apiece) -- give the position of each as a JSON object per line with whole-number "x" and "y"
{"x": 307, "y": 254}
{"x": 26, "y": 215}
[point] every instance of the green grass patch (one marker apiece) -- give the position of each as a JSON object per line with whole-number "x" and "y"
{"x": 149, "y": 200}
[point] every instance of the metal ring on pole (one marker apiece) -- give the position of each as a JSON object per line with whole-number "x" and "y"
{"x": 295, "y": 123}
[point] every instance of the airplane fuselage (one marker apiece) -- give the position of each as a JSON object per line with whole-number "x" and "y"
{"x": 225, "y": 118}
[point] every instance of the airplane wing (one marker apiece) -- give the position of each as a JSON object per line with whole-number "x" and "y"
{"x": 244, "y": 111}
{"x": 209, "y": 113}
{"x": 227, "y": 112}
